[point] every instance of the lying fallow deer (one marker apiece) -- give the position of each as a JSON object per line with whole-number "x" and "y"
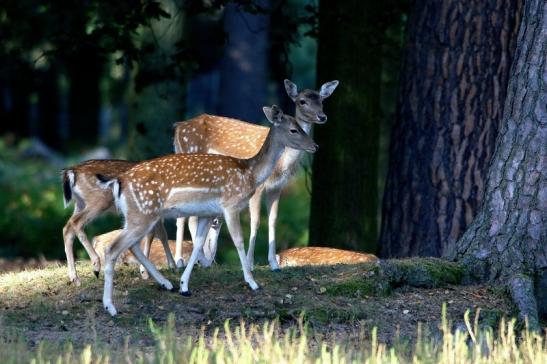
{"x": 90, "y": 200}
{"x": 219, "y": 135}
{"x": 311, "y": 255}
{"x": 156, "y": 254}
{"x": 203, "y": 185}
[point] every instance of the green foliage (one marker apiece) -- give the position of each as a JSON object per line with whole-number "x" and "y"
{"x": 32, "y": 214}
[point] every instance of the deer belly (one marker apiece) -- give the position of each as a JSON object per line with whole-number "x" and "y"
{"x": 185, "y": 202}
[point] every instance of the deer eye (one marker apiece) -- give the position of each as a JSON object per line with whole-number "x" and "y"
{"x": 302, "y": 102}
{"x": 293, "y": 131}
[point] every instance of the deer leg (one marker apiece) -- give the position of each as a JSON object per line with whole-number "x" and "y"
{"x": 254, "y": 212}
{"x": 211, "y": 243}
{"x": 234, "y": 227}
{"x": 193, "y": 226}
{"x": 68, "y": 237}
{"x": 150, "y": 267}
{"x": 273, "y": 204}
{"x": 130, "y": 236}
{"x": 148, "y": 239}
{"x": 161, "y": 234}
{"x": 203, "y": 224}
{"x": 76, "y": 226}
{"x": 180, "y": 239}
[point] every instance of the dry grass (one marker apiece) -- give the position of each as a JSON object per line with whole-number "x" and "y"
{"x": 268, "y": 343}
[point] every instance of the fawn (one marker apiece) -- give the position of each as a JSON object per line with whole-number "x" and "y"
{"x": 312, "y": 255}
{"x": 202, "y": 185}
{"x": 90, "y": 200}
{"x": 219, "y": 135}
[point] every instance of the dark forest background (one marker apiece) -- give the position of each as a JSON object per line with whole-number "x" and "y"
{"x": 434, "y": 145}
{"x": 85, "y": 79}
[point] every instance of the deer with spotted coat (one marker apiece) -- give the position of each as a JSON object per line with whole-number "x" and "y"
{"x": 203, "y": 185}
{"x": 90, "y": 201}
{"x": 231, "y": 137}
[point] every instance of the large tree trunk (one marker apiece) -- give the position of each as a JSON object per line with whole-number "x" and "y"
{"x": 344, "y": 199}
{"x": 456, "y": 64}
{"x": 507, "y": 241}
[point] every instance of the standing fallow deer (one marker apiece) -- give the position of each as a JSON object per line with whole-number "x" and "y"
{"x": 235, "y": 138}
{"x": 313, "y": 255}
{"x": 202, "y": 185}
{"x": 90, "y": 200}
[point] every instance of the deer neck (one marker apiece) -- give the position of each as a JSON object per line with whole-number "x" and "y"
{"x": 291, "y": 156}
{"x": 263, "y": 163}
{"x": 303, "y": 121}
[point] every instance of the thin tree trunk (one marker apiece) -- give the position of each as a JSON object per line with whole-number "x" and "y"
{"x": 344, "y": 198}
{"x": 454, "y": 77}
{"x": 507, "y": 241}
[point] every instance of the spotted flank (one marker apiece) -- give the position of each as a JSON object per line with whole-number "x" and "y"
{"x": 219, "y": 135}
{"x": 153, "y": 182}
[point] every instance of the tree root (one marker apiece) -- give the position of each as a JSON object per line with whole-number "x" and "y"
{"x": 521, "y": 288}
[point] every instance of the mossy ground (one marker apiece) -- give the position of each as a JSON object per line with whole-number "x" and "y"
{"x": 334, "y": 301}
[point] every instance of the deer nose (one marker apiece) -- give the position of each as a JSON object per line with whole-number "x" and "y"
{"x": 322, "y": 118}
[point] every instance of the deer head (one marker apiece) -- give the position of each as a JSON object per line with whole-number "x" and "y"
{"x": 309, "y": 103}
{"x": 290, "y": 133}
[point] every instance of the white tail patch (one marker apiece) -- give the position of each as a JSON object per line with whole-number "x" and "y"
{"x": 121, "y": 204}
{"x": 70, "y": 176}
{"x": 113, "y": 185}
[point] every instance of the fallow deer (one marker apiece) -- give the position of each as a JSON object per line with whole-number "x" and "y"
{"x": 156, "y": 254}
{"x": 312, "y": 255}
{"x": 226, "y": 136}
{"x": 90, "y": 200}
{"x": 202, "y": 185}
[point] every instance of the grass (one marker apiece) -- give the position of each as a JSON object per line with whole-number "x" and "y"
{"x": 333, "y": 313}
{"x": 269, "y": 343}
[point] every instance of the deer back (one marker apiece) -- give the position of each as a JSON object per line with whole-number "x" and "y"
{"x": 219, "y": 135}
{"x": 322, "y": 256}
{"x": 81, "y": 181}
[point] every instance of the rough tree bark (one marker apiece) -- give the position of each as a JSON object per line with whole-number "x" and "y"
{"x": 507, "y": 241}
{"x": 344, "y": 198}
{"x": 454, "y": 77}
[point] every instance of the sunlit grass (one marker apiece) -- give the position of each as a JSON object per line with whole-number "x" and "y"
{"x": 268, "y": 343}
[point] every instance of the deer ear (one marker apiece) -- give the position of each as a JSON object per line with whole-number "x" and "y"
{"x": 291, "y": 89}
{"x": 328, "y": 88}
{"x": 273, "y": 114}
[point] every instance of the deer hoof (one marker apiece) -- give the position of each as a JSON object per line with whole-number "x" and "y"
{"x": 96, "y": 272}
{"x": 276, "y": 270}
{"x": 111, "y": 310}
{"x": 185, "y": 293}
{"x": 76, "y": 281}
